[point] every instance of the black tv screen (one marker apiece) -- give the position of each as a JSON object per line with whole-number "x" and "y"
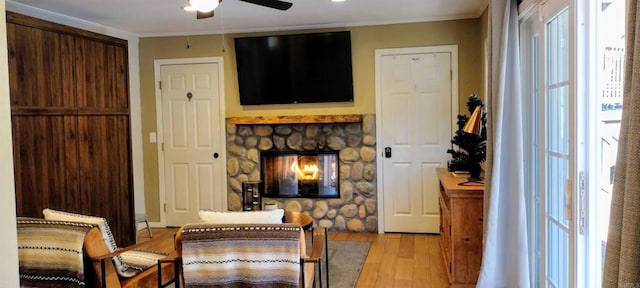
{"x": 299, "y": 68}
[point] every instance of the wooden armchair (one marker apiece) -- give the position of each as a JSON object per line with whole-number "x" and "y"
{"x": 72, "y": 254}
{"x": 248, "y": 255}
{"x": 132, "y": 266}
{"x": 105, "y": 270}
{"x": 50, "y": 252}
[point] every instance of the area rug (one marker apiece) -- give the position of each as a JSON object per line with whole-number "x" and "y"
{"x": 345, "y": 262}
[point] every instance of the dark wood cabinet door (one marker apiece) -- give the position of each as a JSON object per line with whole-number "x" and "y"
{"x": 41, "y": 65}
{"x": 105, "y": 172}
{"x": 70, "y": 115}
{"x": 104, "y": 81}
{"x": 46, "y": 163}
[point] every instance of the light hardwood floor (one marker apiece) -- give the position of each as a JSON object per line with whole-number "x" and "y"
{"x": 394, "y": 260}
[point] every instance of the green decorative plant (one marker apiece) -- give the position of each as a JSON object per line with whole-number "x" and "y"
{"x": 270, "y": 204}
{"x": 470, "y": 143}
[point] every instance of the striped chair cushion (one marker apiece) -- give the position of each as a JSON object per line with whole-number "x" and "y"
{"x": 50, "y": 252}
{"x": 241, "y": 255}
{"x": 140, "y": 260}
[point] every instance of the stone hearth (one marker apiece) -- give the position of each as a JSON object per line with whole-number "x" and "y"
{"x": 356, "y": 209}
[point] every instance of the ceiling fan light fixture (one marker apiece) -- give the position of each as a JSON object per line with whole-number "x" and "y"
{"x": 189, "y": 8}
{"x": 203, "y": 5}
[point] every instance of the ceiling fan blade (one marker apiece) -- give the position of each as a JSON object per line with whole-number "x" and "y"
{"x": 203, "y": 15}
{"x": 275, "y": 4}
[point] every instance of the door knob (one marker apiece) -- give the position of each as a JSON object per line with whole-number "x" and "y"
{"x": 387, "y": 152}
{"x": 216, "y": 155}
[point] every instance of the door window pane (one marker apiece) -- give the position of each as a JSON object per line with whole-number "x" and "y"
{"x": 557, "y": 151}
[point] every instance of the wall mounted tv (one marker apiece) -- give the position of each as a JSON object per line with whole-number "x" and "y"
{"x": 299, "y": 68}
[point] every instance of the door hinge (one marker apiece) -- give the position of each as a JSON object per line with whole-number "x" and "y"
{"x": 451, "y": 74}
{"x": 160, "y": 85}
{"x": 165, "y": 207}
{"x": 162, "y": 146}
{"x": 582, "y": 187}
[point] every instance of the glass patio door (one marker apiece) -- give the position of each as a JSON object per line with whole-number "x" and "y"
{"x": 546, "y": 43}
{"x": 573, "y": 59}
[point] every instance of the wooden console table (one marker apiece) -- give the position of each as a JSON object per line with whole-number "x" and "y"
{"x": 460, "y": 228}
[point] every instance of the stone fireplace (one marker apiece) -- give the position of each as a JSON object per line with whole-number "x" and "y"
{"x": 344, "y": 199}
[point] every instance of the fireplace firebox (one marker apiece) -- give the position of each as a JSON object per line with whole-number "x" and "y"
{"x": 300, "y": 174}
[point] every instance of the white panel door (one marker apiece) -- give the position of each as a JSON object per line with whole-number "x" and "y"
{"x": 416, "y": 95}
{"x": 191, "y": 123}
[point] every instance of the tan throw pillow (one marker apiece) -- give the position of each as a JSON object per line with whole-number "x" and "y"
{"x": 249, "y": 217}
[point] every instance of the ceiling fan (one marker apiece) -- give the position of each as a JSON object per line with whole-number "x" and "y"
{"x": 204, "y": 8}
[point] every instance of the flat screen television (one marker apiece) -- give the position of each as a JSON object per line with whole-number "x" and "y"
{"x": 299, "y": 68}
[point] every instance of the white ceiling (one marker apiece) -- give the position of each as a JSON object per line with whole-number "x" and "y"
{"x": 166, "y": 17}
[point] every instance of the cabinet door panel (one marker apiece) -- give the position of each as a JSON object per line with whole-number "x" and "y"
{"x": 45, "y": 163}
{"x": 105, "y": 172}
{"x": 466, "y": 228}
{"x": 70, "y": 119}
{"x": 41, "y": 67}
{"x": 104, "y": 83}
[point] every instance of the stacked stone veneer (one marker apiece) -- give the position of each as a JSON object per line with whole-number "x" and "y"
{"x": 355, "y": 210}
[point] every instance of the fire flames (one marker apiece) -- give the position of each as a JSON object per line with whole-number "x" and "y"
{"x": 308, "y": 171}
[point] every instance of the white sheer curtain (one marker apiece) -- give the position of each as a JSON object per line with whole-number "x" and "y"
{"x": 505, "y": 261}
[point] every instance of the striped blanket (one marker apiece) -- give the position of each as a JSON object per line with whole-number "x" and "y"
{"x": 241, "y": 255}
{"x": 50, "y": 253}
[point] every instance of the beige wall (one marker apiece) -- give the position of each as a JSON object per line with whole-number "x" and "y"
{"x": 8, "y": 241}
{"x": 484, "y": 39}
{"x": 365, "y": 39}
